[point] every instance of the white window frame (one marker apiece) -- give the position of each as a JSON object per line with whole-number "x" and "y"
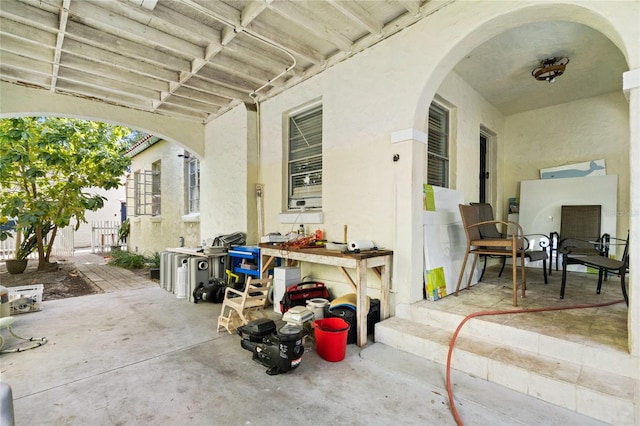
{"x": 156, "y": 192}
{"x": 193, "y": 185}
{"x": 438, "y": 145}
{"x": 304, "y": 165}
{"x": 142, "y": 195}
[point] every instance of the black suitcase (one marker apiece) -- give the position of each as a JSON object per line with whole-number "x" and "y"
{"x": 349, "y": 315}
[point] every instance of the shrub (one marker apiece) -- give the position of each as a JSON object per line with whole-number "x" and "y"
{"x": 154, "y": 261}
{"x": 128, "y": 260}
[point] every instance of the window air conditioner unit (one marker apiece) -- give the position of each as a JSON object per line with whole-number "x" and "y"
{"x": 306, "y": 203}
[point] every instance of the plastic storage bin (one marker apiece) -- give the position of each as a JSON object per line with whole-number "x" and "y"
{"x": 26, "y": 298}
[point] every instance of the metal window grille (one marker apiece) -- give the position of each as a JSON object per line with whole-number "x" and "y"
{"x": 305, "y": 159}
{"x": 438, "y": 147}
{"x": 143, "y": 193}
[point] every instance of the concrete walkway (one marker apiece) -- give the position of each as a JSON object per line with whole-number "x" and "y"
{"x": 136, "y": 355}
{"x": 107, "y": 277}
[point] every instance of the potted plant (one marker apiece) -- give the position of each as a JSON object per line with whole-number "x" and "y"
{"x": 18, "y": 264}
{"x": 154, "y": 266}
{"x": 26, "y": 243}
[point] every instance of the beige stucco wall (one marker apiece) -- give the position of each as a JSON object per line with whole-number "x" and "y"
{"x": 588, "y": 129}
{"x": 228, "y": 174}
{"x": 472, "y": 112}
{"x": 363, "y": 110}
{"x": 110, "y": 212}
{"x": 368, "y": 98}
{"x": 380, "y": 200}
{"x": 156, "y": 233}
{"x": 360, "y": 180}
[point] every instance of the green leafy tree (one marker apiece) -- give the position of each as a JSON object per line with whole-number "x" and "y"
{"x": 47, "y": 168}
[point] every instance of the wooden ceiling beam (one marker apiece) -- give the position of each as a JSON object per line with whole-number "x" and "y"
{"x": 174, "y": 110}
{"x": 107, "y": 84}
{"x": 126, "y": 48}
{"x": 62, "y": 28}
{"x": 19, "y": 76}
{"x": 209, "y": 85}
{"x": 28, "y": 15}
{"x": 294, "y": 47}
{"x": 24, "y": 48}
{"x": 310, "y": 23}
{"x": 190, "y": 58}
{"x": 85, "y": 65}
{"x": 199, "y": 95}
{"x": 232, "y": 81}
{"x": 166, "y": 20}
{"x": 358, "y": 14}
{"x": 103, "y": 20}
{"x": 26, "y": 65}
{"x": 82, "y": 90}
{"x": 119, "y": 62}
{"x": 412, "y": 6}
{"x": 192, "y": 104}
{"x": 34, "y": 35}
{"x": 252, "y": 11}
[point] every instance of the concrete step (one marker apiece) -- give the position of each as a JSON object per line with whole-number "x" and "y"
{"x": 597, "y": 393}
{"x": 600, "y": 357}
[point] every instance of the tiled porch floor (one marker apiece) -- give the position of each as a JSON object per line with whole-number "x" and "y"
{"x": 598, "y": 326}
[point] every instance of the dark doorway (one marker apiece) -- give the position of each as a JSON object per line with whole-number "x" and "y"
{"x": 484, "y": 172}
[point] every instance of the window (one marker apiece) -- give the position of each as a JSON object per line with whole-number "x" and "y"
{"x": 193, "y": 182}
{"x": 438, "y": 148}
{"x": 155, "y": 188}
{"x": 143, "y": 192}
{"x": 305, "y": 159}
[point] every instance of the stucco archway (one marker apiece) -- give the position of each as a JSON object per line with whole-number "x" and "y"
{"x": 596, "y": 18}
{"x": 23, "y": 101}
{"x": 493, "y": 26}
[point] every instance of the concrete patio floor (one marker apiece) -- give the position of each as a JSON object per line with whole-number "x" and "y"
{"x": 137, "y": 355}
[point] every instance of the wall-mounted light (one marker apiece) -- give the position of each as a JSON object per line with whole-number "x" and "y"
{"x": 550, "y": 68}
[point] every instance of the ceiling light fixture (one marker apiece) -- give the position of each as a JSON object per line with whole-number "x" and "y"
{"x": 550, "y": 68}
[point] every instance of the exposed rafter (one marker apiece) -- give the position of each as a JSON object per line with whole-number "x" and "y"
{"x": 64, "y": 16}
{"x": 187, "y": 58}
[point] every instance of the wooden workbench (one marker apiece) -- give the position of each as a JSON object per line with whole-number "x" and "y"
{"x": 377, "y": 260}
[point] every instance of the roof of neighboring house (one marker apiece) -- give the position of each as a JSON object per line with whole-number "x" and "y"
{"x": 144, "y": 143}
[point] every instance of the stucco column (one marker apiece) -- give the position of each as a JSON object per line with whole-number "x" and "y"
{"x": 631, "y": 87}
{"x": 408, "y": 147}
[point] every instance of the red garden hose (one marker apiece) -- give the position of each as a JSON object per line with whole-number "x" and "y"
{"x": 454, "y": 411}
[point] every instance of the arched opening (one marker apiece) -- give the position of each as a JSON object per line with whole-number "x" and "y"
{"x": 535, "y": 132}
{"x": 137, "y": 197}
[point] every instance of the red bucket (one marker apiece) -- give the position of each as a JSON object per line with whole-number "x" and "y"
{"x": 331, "y": 338}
